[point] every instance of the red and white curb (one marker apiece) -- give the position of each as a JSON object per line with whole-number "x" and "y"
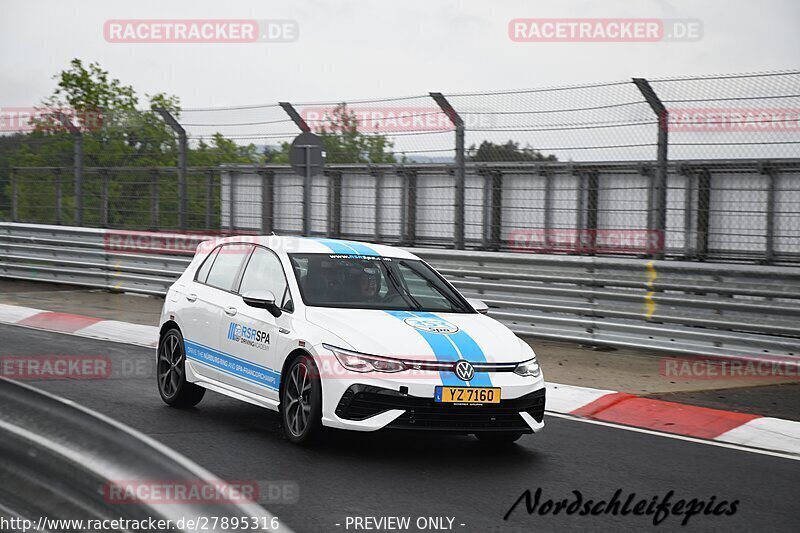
{"x": 603, "y": 406}
{"x": 82, "y": 326}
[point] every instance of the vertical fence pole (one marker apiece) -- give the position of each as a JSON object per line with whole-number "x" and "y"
{"x": 378, "y": 174}
{"x": 408, "y": 229}
{"x": 307, "y": 183}
{"x": 769, "y": 244}
{"x": 104, "y": 197}
{"x": 267, "y": 201}
{"x": 59, "y": 195}
{"x": 460, "y": 174}
{"x": 14, "y": 196}
{"x": 658, "y": 220}
{"x": 232, "y": 174}
{"x": 183, "y": 200}
{"x": 154, "y": 202}
{"x": 77, "y": 164}
{"x": 592, "y": 197}
{"x": 209, "y": 196}
{"x": 335, "y": 203}
{"x": 703, "y": 213}
{"x": 548, "y": 205}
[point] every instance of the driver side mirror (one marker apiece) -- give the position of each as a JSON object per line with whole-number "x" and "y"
{"x": 478, "y": 305}
{"x": 262, "y": 299}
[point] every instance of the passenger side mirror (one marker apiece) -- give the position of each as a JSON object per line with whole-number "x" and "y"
{"x": 262, "y": 299}
{"x": 478, "y": 305}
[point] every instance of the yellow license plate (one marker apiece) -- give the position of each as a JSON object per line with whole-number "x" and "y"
{"x": 468, "y": 395}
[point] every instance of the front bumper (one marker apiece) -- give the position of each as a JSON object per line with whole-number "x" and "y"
{"x": 363, "y": 402}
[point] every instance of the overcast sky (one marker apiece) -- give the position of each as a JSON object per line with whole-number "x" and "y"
{"x": 370, "y": 48}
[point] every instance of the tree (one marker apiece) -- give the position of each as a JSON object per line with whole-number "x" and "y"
{"x": 508, "y": 152}
{"x": 116, "y": 133}
{"x": 345, "y": 144}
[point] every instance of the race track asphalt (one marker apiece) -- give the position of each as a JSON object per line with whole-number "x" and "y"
{"x": 428, "y": 475}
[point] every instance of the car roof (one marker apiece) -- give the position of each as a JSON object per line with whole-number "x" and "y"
{"x": 316, "y": 245}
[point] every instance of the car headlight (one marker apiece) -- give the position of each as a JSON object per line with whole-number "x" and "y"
{"x": 359, "y": 362}
{"x": 528, "y": 368}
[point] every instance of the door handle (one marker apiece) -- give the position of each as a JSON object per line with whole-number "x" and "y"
{"x": 230, "y": 311}
{"x": 191, "y": 297}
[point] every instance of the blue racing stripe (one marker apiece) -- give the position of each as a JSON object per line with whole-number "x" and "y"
{"x": 338, "y": 246}
{"x": 260, "y": 375}
{"x": 361, "y": 248}
{"x": 335, "y": 246}
{"x": 443, "y": 350}
{"x": 451, "y": 347}
{"x": 469, "y": 349}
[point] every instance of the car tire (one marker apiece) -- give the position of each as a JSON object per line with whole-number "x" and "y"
{"x": 301, "y": 401}
{"x": 498, "y": 438}
{"x": 171, "y": 372}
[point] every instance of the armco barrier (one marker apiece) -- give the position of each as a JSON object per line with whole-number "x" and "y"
{"x": 66, "y": 462}
{"x": 725, "y": 310}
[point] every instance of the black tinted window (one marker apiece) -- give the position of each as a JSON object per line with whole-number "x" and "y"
{"x": 226, "y": 265}
{"x": 264, "y": 271}
{"x": 202, "y": 272}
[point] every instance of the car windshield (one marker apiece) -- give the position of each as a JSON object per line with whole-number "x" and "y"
{"x": 359, "y": 282}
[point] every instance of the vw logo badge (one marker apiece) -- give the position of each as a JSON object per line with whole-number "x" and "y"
{"x": 465, "y": 371}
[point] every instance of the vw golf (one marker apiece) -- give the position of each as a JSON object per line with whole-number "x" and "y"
{"x": 343, "y": 334}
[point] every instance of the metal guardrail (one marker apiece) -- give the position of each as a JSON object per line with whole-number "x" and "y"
{"x": 724, "y": 310}
{"x": 60, "y": 460}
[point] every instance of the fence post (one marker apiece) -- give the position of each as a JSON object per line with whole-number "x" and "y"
{"x": 232, "y": 198}
{"x": 295, "y": 116}
{"x": 77, "y": 164}
{"x": 447, "y": 109}
{"x": 267, "y": 201}
{"x": 769, "y": 244}
{"x": 59, "y": 195}
{"x": 334, "y": 203}
{"x": 104, "y": 197}
{"x": 658, "y": 216}
{"x": 547, "y": 174}
{"x": 378, "y": 175}
{"x": 182, "y": 148}
{"x": 592, "y": 190}
{"x": 308, "y": 180}
{"x": 209, "y": 196}
{"x": 408, "y": 229}
{"x": 154, "y": 222}
{"x": 703, "y": 212}
{"x": 14, "y": 196}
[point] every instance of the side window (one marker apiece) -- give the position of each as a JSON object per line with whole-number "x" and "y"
{"x": 202, "y": 272}
{"x": 264, "y": 271}
{"x": 226, "y": 266}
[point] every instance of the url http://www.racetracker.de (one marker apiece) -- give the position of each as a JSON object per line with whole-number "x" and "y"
{"x": 198, "y": 523}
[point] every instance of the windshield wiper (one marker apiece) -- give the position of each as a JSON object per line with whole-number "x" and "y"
{"x": 402, "y": 291}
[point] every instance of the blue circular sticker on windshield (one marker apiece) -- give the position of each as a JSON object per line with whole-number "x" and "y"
{"x": 432, "y": 325}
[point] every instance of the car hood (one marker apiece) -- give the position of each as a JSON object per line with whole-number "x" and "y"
{"x": 417, "y": 335}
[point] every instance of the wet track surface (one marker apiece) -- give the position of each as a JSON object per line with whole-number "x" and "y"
{"x": 421, "y": 475}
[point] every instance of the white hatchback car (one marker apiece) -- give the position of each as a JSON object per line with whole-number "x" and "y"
{"x": 345, "y": 335}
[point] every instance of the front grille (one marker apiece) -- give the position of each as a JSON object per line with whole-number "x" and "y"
{"x": 363, "y": 401}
